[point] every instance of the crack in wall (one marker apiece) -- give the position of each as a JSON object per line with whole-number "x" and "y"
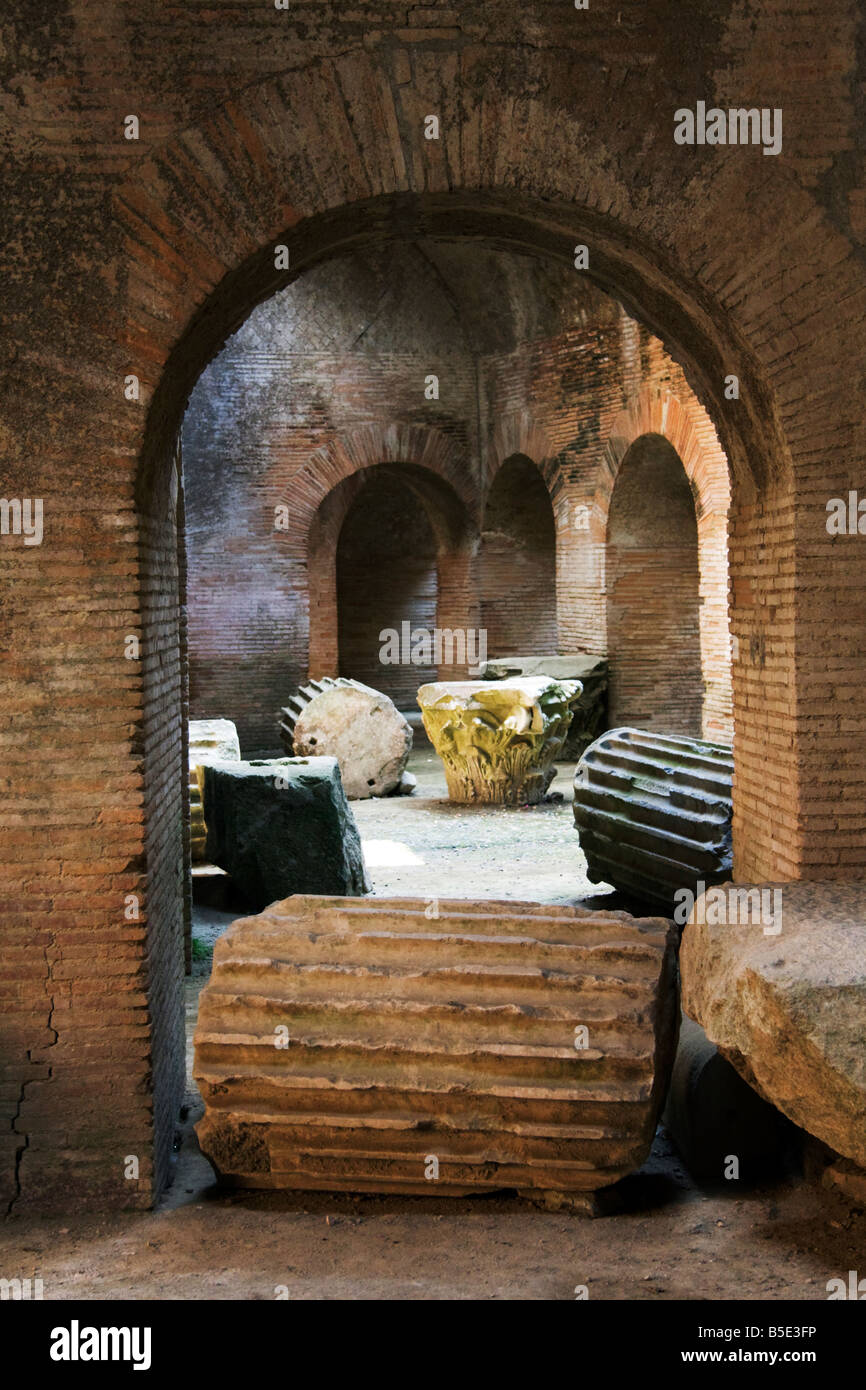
{"x": 21, "y": 1149}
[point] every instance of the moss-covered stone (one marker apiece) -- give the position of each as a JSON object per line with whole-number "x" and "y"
{"x": 283, "y": 826}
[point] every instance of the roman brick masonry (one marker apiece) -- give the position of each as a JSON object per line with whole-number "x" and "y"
{"x": 212, "y": 588}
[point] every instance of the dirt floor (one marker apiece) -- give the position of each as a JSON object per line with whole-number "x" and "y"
{"x": 665, "y": 1237}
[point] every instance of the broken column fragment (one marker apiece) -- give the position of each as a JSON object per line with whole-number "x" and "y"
{"x": 210, "y": 741}
{"x": 588, "y": 712}
{"x": 654, "y": 813}
{"x": 360, "y": 727}
{"x": 363, "y": 1046}
{"x": 713, "y": 1116}
{"x": 776, "y": 976}
{"x": 498, "y": 740}
{"x": 283, "y": 826}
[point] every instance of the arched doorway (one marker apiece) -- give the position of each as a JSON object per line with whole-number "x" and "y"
{"x": 518, "y": 563}
{"x": 386, "y": 577}
{"x": 435, "y": 576}
{"x": 544, "y": 231}
{"x": 317, "y": 154}
{"x": 653, "y": 598}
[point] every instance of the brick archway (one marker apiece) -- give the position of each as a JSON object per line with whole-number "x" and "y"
{"x": 519, "y": 432}
{"x": 454, "y": 527}
{"x": 173, "y": 243}
{"x": 374, "y": 444}
{"x": 693, "y": 437}
{"x": 212, "y": 203}
{"x": 214, "y": 298}
{"x": 696, "y": 444}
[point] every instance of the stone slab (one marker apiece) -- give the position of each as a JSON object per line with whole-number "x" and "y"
{"x": 788, "y": 1007}
{"x": 282, "y": 826}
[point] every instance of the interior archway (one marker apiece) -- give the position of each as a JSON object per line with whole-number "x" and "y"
{"x": 518, "y": 563}
{"x": 309, "y": 242}
{"x": 387, "y": 576}
{"x": 454, "y": 539}
{"x": 313, "y": 148}
{"x": 653, "y": 594}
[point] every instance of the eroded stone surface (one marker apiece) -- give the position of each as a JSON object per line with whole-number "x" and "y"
{"x": 282, "y": 826}
{"x": 359, "y": 726}
{"x": 210, "y": 741}
{"x": 498, "y": 739}
{"x": 788, "y": 1007}
{"x": 517, "y": 1045}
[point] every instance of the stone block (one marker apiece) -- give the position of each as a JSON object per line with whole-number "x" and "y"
{"x": 282, "y": 826}
{"x": 714, "y": 1116}
{"x": 588, "y": 712}
{"x": 360, "y": 727}
{"x": 210, "y": 741}
{"x": 653, "y": 812}
{"x": 785, "y": 1001}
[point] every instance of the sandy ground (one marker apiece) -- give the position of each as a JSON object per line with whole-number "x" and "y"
{"x": 665, "y": 1237}
{"x": 424, "y": 845}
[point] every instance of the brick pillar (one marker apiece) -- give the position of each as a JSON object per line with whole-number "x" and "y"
{"x": 767, "y": 774}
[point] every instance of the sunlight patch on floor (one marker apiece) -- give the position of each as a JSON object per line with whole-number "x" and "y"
{"x": 388, "y": 854}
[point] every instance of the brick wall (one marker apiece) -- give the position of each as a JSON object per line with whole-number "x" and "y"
{"x": 157, "y": 1038}
{"x": 576, "y": 402}
{"x": 518, "y": 563}
{"x": 347, "y": 349}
